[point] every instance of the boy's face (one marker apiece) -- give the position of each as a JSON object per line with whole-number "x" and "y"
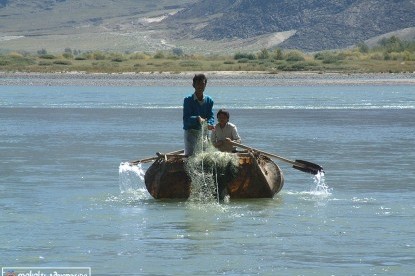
{"x": 222, "y": 119}
{"x": 199, "y": 86}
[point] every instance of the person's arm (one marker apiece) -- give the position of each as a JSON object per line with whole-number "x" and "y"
{"x": 210, "y": 118}
{"x": 189, "y": 120}
{"x": 235, "y": 136}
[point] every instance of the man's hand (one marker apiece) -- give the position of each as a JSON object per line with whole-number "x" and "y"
{"x": 200, "y": 119}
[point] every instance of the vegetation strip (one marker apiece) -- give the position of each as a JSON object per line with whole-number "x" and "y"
{"x": 391, "y": 55}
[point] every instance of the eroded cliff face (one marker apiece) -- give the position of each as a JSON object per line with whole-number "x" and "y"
{"x": 318, "y": 24}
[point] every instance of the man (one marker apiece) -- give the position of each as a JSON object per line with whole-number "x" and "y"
{"x": 225, "y": 132}
{"x": 197, "y": 110}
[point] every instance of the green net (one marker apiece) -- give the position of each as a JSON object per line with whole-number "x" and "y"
{"x": 210, "y": 170}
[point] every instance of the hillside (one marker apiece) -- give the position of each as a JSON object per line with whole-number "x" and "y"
{"x": 205, "y": 26}
{"x": 317, "y": 24}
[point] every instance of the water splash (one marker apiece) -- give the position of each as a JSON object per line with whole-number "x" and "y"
{"x": 320, "y": 189}
{"x": 131, "y": 178}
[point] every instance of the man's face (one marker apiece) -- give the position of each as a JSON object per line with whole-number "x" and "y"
{"x": 200, "y": 86}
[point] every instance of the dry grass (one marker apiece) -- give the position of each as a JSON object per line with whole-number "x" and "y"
{"x": 110, "y": 62}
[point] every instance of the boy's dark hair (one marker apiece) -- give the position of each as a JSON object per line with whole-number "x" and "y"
{"x": 224, "y": 112}
{"x": 199, "y": 77}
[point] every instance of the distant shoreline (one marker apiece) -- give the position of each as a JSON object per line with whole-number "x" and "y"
{"x": 216, "y": 78}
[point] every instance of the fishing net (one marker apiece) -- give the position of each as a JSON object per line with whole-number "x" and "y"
{"x": 209, "y": 170}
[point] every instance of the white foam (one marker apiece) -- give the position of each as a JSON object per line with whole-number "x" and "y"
{"x": 131, "y": 177}
{"x": 320, "y": 189}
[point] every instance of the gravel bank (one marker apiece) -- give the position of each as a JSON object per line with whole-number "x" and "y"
{"x": 215, "y": 79}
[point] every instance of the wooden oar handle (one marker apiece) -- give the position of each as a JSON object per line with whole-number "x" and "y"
{"x": 301, "y": 165}
{"x": 264, "y": 153}
{"x": 149, "y": 159}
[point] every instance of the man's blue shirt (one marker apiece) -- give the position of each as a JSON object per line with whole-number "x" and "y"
{"x": 192, "y": 109}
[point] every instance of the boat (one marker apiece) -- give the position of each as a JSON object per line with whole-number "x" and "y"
{"x": 257, "y": 176}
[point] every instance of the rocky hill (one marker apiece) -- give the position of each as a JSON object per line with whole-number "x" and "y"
{"x": 205, "y": 26}
{"x": 317, "y": 24}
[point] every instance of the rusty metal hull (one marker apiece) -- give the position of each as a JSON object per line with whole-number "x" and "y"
{"x": 257, "y": 177}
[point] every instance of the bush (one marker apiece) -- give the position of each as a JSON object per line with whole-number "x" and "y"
{"x": 4, "y": 62}
{"x": 264, "y": 54}
{"x": 363, "y": 48}
{"x": 392, "y": 44}
{"x": 62, "y": 62}
{"x": 278, "y": 54}
{"x": 158, "y": 55}
{"x": 243, "y": 60}
{"x": 98, "y": 56}
{"x": 45, "y": 63}
{"x": 402, "y": 56}
{"x": 139, "y": 56}
{"x": 177, "y": 52}
{"x": 190, "y": 63}
{"x": 377, "y": 56}
{"x": 67, "y": 55}
{"x": 294, "y": 56}
{"x": 81, "y": 58}
{"x": 15, "y": 55}
{"x": 298, "y": 66}
{"x": 244, "y": 56}
{"x": 16, "y": 60}
{"x": 42, "y": 52}
{"x": 328, "y": 57}
{"x": 47, "y": 56}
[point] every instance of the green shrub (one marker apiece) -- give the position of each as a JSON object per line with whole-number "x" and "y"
{"x": 298, "y": 66}
{"x": 117, "y": 59}
{"x": 328, "y": 57}
{"x": 244, "y": 56}
{"x": 392, "y": 44}
{"x": 67, "y": 55}
{"x": 139, "y": 56}
{"x": 47, "y": 56}
{"x": 17, "y": 60}
{"x": 278, "y": 54}
{"x": 243, "y": 60}
{"x": 263, "y": 54}
{"x": 178, "y": 52}
{"x": 4, "y": 62}
{"x": 363, "y": 48}
{"x": 98, "y": 56}
{"x": 62, "y": 62}
{"x": 294, "y": 56}
{"x": 377, "y": 56}
{"x": 159, "y": 55}
{"x": 42, "y": 52}
{"x": 45, "y": 63}
{"x": 190, "y": 63}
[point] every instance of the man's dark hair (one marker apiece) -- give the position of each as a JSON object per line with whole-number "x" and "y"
{"x": 199, "y": 77}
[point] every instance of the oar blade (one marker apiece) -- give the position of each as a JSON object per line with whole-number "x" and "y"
{"x": 308, "y": 167}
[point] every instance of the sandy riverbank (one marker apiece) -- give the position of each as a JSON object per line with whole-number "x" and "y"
{"x": 215, "y": 78}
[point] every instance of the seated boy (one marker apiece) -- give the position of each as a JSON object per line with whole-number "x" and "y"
{"x": 224, "y": 132}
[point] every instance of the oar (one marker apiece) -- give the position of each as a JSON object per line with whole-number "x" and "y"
{"x": 149, "y": 159}
{"x": 301, "y": 165}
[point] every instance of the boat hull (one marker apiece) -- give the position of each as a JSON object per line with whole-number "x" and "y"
{"x": 257, "y": 177}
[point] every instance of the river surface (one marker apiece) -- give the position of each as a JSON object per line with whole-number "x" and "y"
{"x": 65, "y": 203}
